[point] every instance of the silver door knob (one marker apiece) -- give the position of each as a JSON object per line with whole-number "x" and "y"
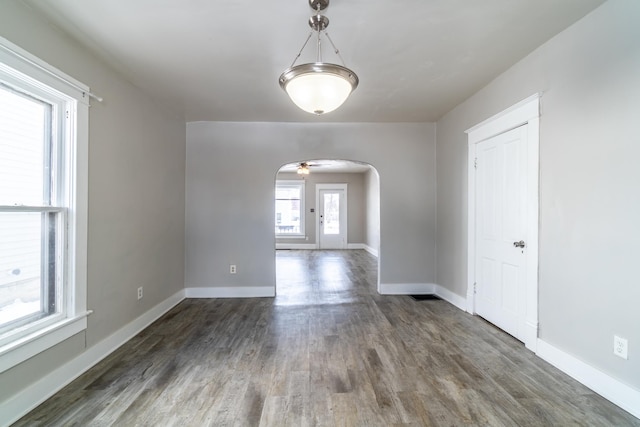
{"x": 519, "y": 244}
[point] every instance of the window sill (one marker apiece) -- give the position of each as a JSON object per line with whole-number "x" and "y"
{"x": 291, "y": 236}
{"x": 18, "y": 351}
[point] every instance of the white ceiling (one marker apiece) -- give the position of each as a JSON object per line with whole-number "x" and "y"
{"x": 329, "y": 166}
{"x": 220, "y": 59}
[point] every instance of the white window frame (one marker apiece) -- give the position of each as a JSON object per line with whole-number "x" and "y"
{"x": 29, "y": 74}
{"x": 301, "y": 185}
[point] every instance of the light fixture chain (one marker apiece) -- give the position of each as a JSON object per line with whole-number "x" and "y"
{"x": 335, "y": 49}
{"x": 319, "y": 57}
{"x": 301, "y": 49}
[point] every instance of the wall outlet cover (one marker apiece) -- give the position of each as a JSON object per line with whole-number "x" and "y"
{"x": 620, "y": 347}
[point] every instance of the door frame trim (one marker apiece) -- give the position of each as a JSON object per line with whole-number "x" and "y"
{"x": 342, "y": 187}
{"x": 524, "y": 112}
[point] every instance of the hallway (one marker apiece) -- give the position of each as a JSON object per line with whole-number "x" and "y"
{"x": 328, "y": 350}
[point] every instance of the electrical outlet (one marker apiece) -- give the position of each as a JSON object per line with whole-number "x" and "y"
{"x": 232, "y": 269}
{"x": 620, "y": 347}
{"x": 140, "y": 292}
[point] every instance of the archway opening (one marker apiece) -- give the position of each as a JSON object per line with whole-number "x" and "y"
{"x": 327, "y": 214}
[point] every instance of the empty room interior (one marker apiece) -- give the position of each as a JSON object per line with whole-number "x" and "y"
{"x": 447, "y": 236}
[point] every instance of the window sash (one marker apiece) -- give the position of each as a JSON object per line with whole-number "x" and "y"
{"x": 52, "y": 284}
{"x": 32, "y": 209}
{"x": 281, "y": 230}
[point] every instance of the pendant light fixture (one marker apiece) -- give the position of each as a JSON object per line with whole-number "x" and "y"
{"x": 318, "y": 87}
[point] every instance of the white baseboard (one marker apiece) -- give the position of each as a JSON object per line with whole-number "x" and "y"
{"x": 26, "y": 400}
{"x": 313, "y": 246}
{"x": 363, "y": 246}
{"x": 608, "y": 387}
{"x": 423, "y": 288}
{"x": 406, "y": 288}
{"x": 450, "y": 297}
{"x": 299, "y": 246}
{"x": 369, "y": 249}
{"x": 231, "y": 292}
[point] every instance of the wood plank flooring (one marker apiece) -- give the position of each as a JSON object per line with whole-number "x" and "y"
{"x": 327, "y": 351}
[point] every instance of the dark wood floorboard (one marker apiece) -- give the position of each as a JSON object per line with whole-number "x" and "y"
{"x": 327, "y": 351}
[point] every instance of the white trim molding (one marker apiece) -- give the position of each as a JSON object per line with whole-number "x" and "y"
{"x": 524, "y": 112}
{"x": 514, "y": 116}
{"x": 24, "y": 348}
{"x": 15, "y": 55}
{"x": 451, "y": 298}
{"x": 369, "y": 249}
{"x": 606, "y": 386}
{"x": 231, "y": 292}
{"x": 423, "y": 289}
{"x": 406, "y": 288}
{"x": 363, "y": 246}
{"x": 298, "y": 246}
{"x": 28, "y": 399}
{"x": 314, "y": 246}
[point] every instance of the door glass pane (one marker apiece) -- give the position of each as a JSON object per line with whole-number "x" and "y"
{"x": 21, "y": 238}
{"x": 331, "y": 213}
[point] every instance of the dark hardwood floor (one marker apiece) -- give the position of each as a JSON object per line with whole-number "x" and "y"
{"x": 330, "y": 351}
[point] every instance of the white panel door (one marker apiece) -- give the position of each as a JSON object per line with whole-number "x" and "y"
{"x": 332, "y": 218}
{"x": 501, "y": 207}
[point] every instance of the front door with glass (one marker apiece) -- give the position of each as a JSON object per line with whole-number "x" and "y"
{"x": 332, "y": 218}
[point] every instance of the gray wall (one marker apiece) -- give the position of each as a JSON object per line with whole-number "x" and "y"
{"x": 136, "y": 195}
{"x": 589, "y": 184}
{"x": 372, "y": 198}
{"x": 589, "y": 207}
{"x": 231, "y": 169}
{"x": 356, "y": 204}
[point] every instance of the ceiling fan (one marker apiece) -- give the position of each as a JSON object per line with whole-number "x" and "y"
{"x": 303, "y": 167}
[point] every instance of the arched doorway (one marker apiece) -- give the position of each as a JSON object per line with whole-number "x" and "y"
{"x": 325, "y": 204}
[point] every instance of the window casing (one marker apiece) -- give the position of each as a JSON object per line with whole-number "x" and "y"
{"x": 43, "y": 160}
{"x": 289, "y": 209}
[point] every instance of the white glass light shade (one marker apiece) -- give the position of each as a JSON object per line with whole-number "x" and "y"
{"x": 318, "y": 88}
{"x": 318, "y": 93}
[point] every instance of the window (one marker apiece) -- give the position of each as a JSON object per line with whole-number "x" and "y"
{"x": 43, "y": 146}
{"x": 289, "y": 208}
{"x": 31, "y": 215}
